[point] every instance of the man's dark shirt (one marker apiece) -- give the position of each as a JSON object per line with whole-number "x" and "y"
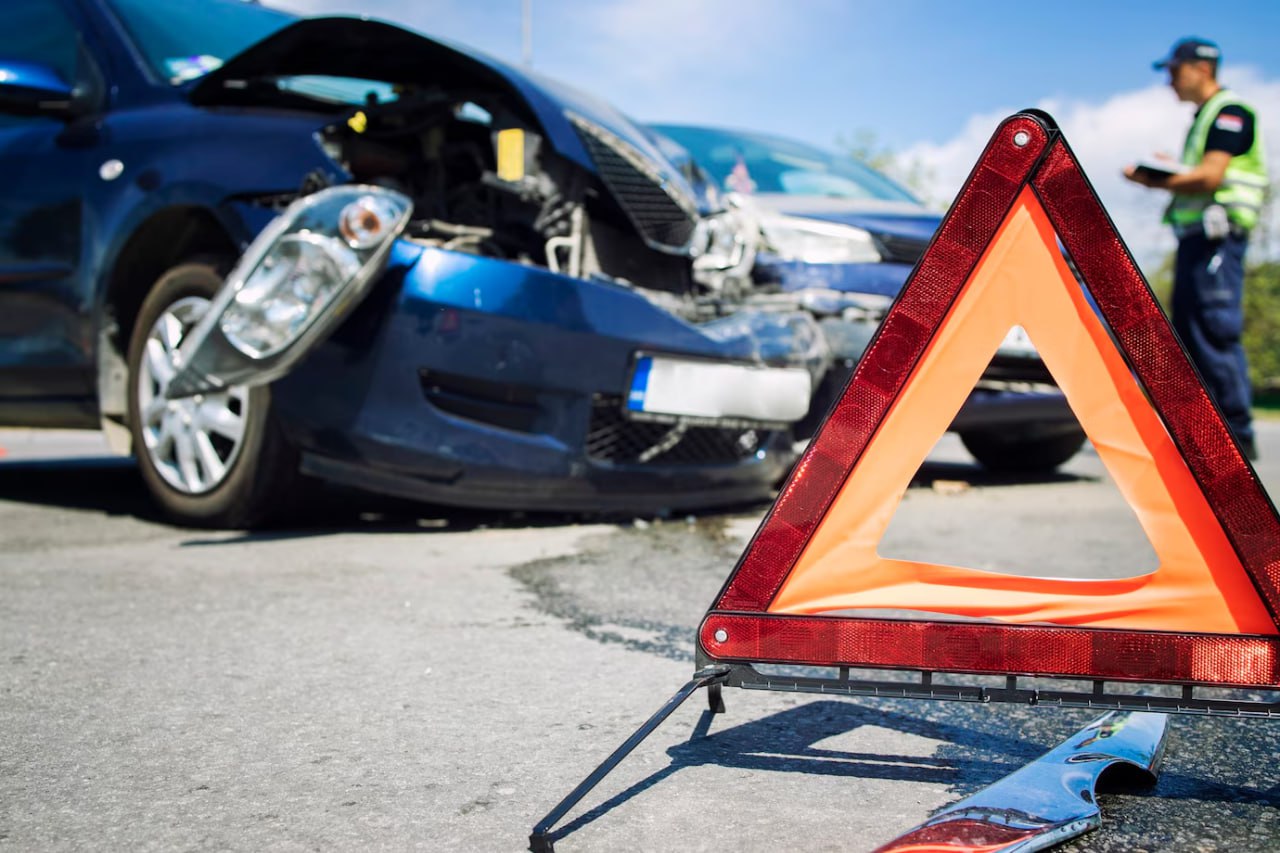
{"x": 1231, "y": 131}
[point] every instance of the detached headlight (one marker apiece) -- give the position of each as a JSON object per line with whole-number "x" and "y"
{"x": 304, "y": 273}
{"x": 811, "y": 241}
{"x": 299, "y": 276}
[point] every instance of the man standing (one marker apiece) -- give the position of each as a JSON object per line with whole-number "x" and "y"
{"x": 1218, "y": 191}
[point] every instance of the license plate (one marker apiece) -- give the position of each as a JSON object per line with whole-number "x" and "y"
{"x": 681, "y": 387}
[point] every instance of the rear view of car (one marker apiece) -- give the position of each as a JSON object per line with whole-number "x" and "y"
{"x": 840, "y": 239}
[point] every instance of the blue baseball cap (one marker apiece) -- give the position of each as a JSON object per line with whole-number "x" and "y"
{"x": 1190, "y": 50}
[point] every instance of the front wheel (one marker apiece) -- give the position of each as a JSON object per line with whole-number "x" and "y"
{"x": 211, "y": 460}
{"x": 1022, "y": 453}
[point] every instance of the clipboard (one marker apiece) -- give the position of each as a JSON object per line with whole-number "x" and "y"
{"x": 1160, "y": 169}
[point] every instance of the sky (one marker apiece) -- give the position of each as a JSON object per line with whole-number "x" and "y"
{"x": 930, "y": 79}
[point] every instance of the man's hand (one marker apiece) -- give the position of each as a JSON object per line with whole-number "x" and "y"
{"x": 1205, "y": 177}
{"x": 1145, "y": 177}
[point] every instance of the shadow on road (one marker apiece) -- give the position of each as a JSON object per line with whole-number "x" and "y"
{"x": 111, "y": 485}
{"x": 108, "y": 484}
{"x": 969, "y": 757}
{"x": 789, "y": 742}
{"x": 932, "y": 473}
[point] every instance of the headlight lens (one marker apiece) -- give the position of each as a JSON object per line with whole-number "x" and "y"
{"x": 793, "y": 238}
{"x": 296, "y": 279}
{"x": 317, "y": 250}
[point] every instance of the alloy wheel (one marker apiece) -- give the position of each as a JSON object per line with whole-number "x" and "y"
{"x": 192, "y": 442}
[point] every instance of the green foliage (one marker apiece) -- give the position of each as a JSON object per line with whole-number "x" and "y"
{"x": 1262, "y": 323}
{"x": 866, "y": 146}
{"x": 1161, "y": 282}
{"x": 1266, "y": 403}
{"x": 913, "y": 174}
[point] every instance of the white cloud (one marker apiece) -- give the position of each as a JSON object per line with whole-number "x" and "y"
{"x": 1107, "y": 136}
{"x": 667, "y": 41}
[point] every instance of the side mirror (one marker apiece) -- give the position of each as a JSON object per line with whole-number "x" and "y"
{"x": 31, "y": 89}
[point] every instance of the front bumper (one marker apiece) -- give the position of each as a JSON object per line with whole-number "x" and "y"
{"x": 1016, "y": 394}
{"x": 476, "y": 382}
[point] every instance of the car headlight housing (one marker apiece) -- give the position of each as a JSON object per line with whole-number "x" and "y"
{"x": 794, "y": 238}
{"x": 724, "y": 245}
{"x": 302, "y": 275}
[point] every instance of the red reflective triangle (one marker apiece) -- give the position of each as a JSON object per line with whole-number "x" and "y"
{"x": 1207, "y": 615}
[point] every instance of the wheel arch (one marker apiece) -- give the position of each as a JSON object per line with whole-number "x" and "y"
{"x": 163, "y": 240}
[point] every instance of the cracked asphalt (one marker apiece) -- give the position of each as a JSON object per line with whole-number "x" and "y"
{"x": 398, "y": 677}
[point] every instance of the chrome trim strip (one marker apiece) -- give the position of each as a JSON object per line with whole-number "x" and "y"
{"x": 1051, "y": 799}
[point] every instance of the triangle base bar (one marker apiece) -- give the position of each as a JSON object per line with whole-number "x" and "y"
{"x": 1012, "y": 689}
{"x": 997, "y": 649}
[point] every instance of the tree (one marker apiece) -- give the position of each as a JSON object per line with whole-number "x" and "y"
{"x": 866, "y": 147}
{"x": 1262, "y": 323}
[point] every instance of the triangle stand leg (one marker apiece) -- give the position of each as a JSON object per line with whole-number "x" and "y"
{"x": 712, "y": 677}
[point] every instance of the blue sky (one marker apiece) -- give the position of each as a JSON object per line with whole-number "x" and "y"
{"x": 930, "y": 79}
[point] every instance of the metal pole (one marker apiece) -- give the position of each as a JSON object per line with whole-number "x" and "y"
{"x": 526, "y": 30}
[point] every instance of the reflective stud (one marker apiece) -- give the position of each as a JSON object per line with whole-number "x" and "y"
{"x": 721, "y": 635}
{"x": 1021, "y": 138}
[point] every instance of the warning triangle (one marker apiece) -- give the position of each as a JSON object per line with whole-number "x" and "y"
{"x": 1206, "y": 615}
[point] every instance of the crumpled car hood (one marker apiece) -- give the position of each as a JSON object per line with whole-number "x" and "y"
{"x": 373, "y": 50}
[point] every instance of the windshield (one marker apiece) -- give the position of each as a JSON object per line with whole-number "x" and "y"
{"x": 183, "y": 41}
{"x": 758, "y": 163}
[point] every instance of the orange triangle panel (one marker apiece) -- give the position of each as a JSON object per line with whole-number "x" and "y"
{"x": 1206, "y": 615}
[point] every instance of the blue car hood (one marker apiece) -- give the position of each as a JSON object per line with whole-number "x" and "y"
{"x": 372, "y": 50}
{"x": 895, "y": 219}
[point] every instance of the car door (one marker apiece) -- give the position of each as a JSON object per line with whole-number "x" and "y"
{"x": 46, "y": 334}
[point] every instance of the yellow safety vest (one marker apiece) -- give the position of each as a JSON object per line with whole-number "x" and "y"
{"x": 1244, "y": 186}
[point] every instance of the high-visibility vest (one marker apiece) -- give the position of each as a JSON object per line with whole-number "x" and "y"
{"x": 1244, "y": 186}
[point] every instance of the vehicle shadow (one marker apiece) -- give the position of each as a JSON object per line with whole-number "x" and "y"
{"x": 936, "y": 474}
{"x": 109, "y": 485}
{"x": 112, "y": 486}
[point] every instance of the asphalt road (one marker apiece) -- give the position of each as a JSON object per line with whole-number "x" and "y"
{"x": 395, "y": 677}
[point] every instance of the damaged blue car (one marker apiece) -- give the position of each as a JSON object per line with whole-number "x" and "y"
{"x": 255, "y": 248}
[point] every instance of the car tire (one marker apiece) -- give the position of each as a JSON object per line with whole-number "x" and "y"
{"x": 212, "y": 460}
{"x": 1020, "y": 453}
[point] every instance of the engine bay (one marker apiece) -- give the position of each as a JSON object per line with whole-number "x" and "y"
{"x": 483, "y": 181}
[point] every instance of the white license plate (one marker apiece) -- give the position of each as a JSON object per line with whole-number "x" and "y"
{"x": 709, "y": 389}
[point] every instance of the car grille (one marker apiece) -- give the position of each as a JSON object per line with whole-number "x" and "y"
{"x": 614, "y": 438}
{"x": 656, "y": 211}
{"x": 900, "y": 250}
